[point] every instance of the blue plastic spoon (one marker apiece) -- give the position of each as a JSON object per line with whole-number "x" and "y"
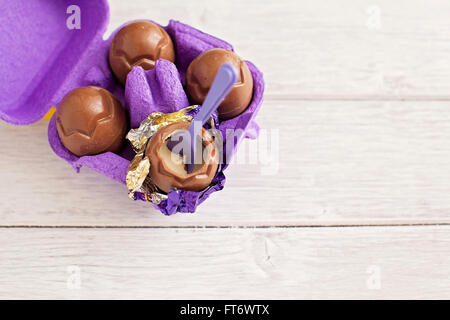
{"x": 222, "y": 84}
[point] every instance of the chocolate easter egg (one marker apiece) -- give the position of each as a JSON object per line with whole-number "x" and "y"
{"x": 167, "y": 169}
{"x": 90, "y": 120}
{"x": 139, "y": 43}
{"x": 200, "y": 76}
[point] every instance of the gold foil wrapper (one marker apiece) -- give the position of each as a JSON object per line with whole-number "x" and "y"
{"x": 137, "y": 172}
{"x": 148, "y": 127}
{"x": 137, "y": 179}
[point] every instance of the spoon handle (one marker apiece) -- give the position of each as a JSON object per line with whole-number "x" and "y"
{"x": 222, "y": 84}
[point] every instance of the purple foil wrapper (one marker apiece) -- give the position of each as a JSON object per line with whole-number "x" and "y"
{"x": 185, "y": 201}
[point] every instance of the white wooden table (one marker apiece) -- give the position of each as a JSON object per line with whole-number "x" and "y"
{"x": 360, "y": 207}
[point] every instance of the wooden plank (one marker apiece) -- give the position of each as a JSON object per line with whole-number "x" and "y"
{"x": 317, "y": 49}
{"x": 365, "y": 262}
{"x": 340, "y": 162}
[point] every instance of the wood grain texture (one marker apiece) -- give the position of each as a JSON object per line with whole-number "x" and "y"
{"x": 338, "y": 163}
{"x": 316, "y": 48}
{"x": 359, "y": 93}
{"x": 366, "y": 262}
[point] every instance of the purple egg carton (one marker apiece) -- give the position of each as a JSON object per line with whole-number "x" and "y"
{"x": 42, "y": 60}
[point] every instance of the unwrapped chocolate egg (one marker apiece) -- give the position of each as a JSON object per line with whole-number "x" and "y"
{"x": 91, "y": 120}
{"x": 168, "y": 170}
{"x": 200, "y": 76}
{"x": 139, "y": 43}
